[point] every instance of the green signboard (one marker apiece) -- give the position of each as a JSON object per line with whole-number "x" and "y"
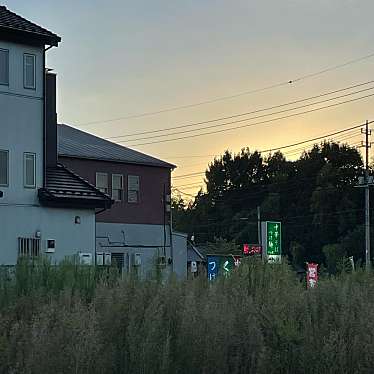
{"x": 273, "y": 238}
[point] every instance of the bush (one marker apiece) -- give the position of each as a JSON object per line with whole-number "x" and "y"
{"x": 72, "y": 319}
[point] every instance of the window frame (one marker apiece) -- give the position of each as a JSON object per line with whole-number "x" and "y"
{"x": 107, "y": 182}
{"x": 25, "y": 86}
{"x": 118, "y": 189}
{"x": 25, "y": 155}
{"x": 7, "y": 70}
{"x": 130, "y": 190}
{"x": 7, "y": 174}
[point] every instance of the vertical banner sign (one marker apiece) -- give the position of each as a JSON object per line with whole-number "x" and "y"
{"x": 213, "y": 266}
{"x": 312, "y": 275}
{"x": 272, "y": 241}
{"x": 220, "y": 265}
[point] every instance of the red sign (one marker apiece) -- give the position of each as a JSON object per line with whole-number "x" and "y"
{"x": 312, "y": 275}
{"x": 252, "y": 249}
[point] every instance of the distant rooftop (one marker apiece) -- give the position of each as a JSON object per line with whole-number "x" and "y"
{"x": 79, "y": 144}
{"x": 13, "y": 25}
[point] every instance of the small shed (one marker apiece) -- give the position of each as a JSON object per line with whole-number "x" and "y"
{"x": 195, "y": 255}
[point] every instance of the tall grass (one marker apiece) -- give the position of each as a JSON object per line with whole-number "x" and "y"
{"x": 72, "y": 319}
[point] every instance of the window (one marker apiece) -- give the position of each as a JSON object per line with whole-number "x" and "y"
{"x": 29, "y": 71}
{"x": 29, "y": 170}
{"x": 4, "y": 168}
{"x": 117, "y": 187}
{"x": 29, "y": 247}
{"x": 102, "y": 182}
{"x": 133, "y": 189}
{"x": 4, "y": 67}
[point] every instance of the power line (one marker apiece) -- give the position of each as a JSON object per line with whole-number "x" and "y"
{"x": 313, "y": 139}
{"x": 222, "y": 98}
{"x": 292, "y": 145}
{"x": 187, "y": 175}
{"x": 245, "y": 113}
{"x": 251, "y": 118}
{"x": 256, "y": 123}
{"x": 188, "y": 184}
{"x": 184, "y": 193}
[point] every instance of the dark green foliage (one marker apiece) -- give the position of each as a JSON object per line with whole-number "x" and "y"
{"x": 314, "y": 197}
{"x": 73, "y": 319}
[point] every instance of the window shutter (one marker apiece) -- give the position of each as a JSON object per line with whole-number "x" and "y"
{"x": 4, "y": 66}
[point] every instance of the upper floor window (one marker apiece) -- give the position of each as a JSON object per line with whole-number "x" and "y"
{"x": 133, "y": 189}
{"x": 29, "y": 169}
{"x": 102, "y": 182}
{"x": 117, "y": 187}
{"x": 4, "y": 67}
{"x": 4, "y": 168}
{"x": 29, "y": 71}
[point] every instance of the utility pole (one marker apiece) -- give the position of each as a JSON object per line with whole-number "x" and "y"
{"x": 366, "y": 182}
{"x": 367, "y": 199}
{"x": 259, "y": 225}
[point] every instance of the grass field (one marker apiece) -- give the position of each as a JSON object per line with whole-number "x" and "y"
{"x": 71, "y": 319}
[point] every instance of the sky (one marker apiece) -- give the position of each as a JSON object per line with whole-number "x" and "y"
{"x": 122, "y": 58}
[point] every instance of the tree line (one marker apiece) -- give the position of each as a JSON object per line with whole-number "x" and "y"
{"x": 315, "y": 198}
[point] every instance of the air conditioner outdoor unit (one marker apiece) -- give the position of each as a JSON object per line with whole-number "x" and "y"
{"x": 99, "y": 258}
{"x": 85, "y": 258}
{"x": 137, "y": 259}
{"x": 107, "y": 259}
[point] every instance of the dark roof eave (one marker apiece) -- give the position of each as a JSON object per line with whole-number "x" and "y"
{"x": 165, "y": 166}
{"x": 28, "y": 37}
{"x": 47, "y": 198}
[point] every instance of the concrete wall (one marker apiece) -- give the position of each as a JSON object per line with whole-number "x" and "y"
{"x": 59, "y": 224}
{"x": 133, "y": 238}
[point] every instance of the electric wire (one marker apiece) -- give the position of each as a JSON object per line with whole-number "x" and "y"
{"x": 251, "y": 112}
{"x": 256, "y": 123}
{"x": 222, "y": 98}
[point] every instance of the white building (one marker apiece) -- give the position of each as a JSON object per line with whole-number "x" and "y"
{"x": 45, "y": 207}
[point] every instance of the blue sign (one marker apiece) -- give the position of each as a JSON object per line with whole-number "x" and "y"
{"x": 219, "y": 265}
{"x": 213, "y": 266}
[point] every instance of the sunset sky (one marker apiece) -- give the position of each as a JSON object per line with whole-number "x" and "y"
{"x": 122, "y": 58}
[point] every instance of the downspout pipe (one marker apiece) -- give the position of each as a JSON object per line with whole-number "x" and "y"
{"x": 44, "y": 119}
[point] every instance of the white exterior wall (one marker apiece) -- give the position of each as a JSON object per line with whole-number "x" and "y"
{"x": 53, "y": 223}
{"x": 21, "y": 130}
{"x": 131, "y": 238}
{"x": 21, "y": 124}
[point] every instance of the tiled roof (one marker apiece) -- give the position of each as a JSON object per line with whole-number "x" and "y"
{"x": 193, "y": 254}
{"x": 66, "y": 188}
{"x": 79, "y": 144}
{"x": 12, "y": 22}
